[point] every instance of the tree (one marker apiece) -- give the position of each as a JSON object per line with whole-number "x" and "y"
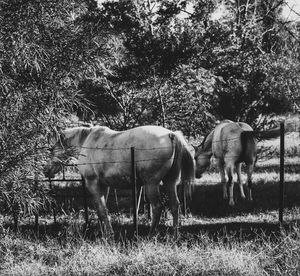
{"x": 156, "y": 45}
{"x": 252, "y": 56}
{"x": 46, "y": 49}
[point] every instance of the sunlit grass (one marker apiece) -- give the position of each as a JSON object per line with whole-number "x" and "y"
{"x": 21, "y": 256}
{"x": 262, "y": 255}
{"x": 258, "y": 177}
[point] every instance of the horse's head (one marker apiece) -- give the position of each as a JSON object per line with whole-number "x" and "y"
{"x": 66, "y": 146}
{"x": 202, "y": 158}
{"x": 59, "y": 154}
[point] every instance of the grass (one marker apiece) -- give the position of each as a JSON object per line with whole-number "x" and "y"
{"x": 230, "y": 254}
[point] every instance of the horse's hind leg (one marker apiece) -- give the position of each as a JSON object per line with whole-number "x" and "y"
{"x": 230, "y": 170}
{"x": 99, "y": 197}
{"x": 223, "y": 178}
{"x": 174, "y": 203}
{"x": 239, "y": 177}
{"x": 153, "y": 195}
{"x": 249, "y": 169}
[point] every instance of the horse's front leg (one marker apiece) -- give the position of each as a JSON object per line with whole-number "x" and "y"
{"x": 99, "y": 194}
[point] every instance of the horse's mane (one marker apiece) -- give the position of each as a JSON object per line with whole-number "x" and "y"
{"x": 206, "y": 143}
{"x": 75, "y": 132}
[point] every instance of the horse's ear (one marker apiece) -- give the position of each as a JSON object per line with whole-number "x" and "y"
{"x": 56, "y": 134}
{"x": 203, "y": 139}
{"x": 52, "y": 135}
{"x": 195, "y": 147}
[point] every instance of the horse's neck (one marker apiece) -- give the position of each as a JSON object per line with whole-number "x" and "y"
{"x": 76, "y": 137}
{"x": 207, "y": 145}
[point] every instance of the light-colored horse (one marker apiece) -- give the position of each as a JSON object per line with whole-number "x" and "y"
{"x": 231, "y": 144}
{"x": 104, "y": 160}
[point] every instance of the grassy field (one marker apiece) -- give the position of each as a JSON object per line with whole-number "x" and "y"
{"x": 215, "y": 239}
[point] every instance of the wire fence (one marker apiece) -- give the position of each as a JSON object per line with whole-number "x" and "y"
{"x": 282, "y": 197}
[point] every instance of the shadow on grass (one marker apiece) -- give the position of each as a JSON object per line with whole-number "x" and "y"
{"x": 207, "y": 200}
{"x": 261, "y": 167}
{"x": 223, "y": 232}
{"x": 288, "y": 168}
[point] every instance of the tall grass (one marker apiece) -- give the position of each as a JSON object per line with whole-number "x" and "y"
{"x": 21, "y": 255}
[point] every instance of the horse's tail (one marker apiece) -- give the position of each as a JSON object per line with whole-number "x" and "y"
{"x": 183, "y": 161}
{"x": 272, "y": 133}
{"x": 268, "y": 134}
{"x": 248, "y": 142}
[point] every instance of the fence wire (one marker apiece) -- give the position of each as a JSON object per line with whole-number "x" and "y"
{"x": 292, "y": 128}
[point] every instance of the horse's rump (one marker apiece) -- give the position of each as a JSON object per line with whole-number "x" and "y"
{"x": 233, "y": 140}
{"x": 183, "y": 166}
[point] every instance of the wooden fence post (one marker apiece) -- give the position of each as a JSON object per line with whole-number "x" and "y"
{"x": 281, "y": 184}
{"x": 53, "y": 206}
{"x": 183, "y": 200}
{"x": 36, "y": 215}
{"x": 86, "y": 212}
{"x": 107, "y": 193}
{"x": 134, "y": 191}
{"x": 116, "y": 201}
{"x": 148, "y": 205}
{"x": 64, "y": 172}
{"x": 140, "y": 199}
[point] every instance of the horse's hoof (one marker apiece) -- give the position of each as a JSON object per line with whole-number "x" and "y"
{"x": 231, "y": 203}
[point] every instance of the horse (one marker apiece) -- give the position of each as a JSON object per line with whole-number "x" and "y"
{"x": 104, "y": 160}
{"x": 231, "y": 143}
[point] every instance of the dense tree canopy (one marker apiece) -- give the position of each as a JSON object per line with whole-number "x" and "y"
{"x": 247, "y": 54}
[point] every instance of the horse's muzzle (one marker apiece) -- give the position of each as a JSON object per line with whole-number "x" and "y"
{"x": 50, "y": 171}
{"x": 47, "y": 173}
{"x": 198, "y": 175}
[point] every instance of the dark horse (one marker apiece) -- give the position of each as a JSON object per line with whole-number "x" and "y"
{"x": 104, "y": 160}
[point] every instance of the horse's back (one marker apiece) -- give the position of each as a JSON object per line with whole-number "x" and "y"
{"x": 107, "y": 153}
{"x": 145, "y": 136}
{"x": 221, "y": 133}
{"x": 227, "y": 141}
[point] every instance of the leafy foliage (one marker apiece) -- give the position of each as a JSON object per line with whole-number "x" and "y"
{"x": 44, "y": 52}
{"x": 246, "y": 51}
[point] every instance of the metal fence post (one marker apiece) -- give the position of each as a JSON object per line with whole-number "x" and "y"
{"x": 281, "y": 184}
{"x": 134, "y": 190}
